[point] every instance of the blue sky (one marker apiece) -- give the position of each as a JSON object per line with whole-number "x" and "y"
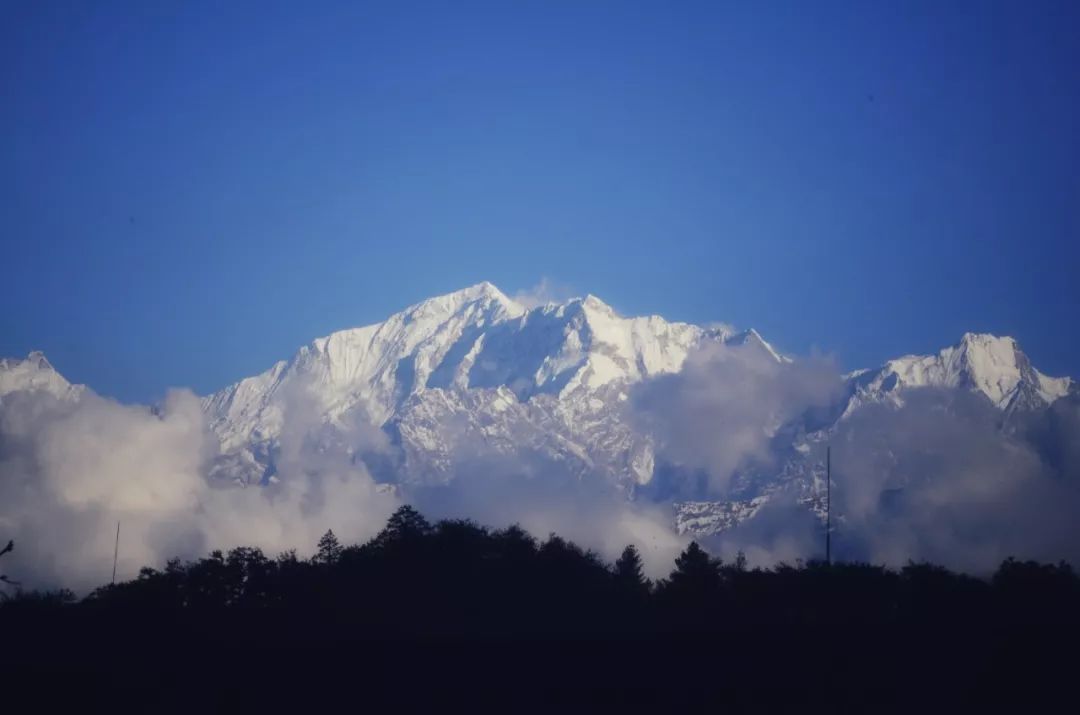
{"x": 193, "y": 190}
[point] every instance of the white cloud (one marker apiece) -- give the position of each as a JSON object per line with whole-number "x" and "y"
{"x": 721, "y": 411}
{"x": 938, "y": 480}
{"x": 70, "y": 472}
{"x": 544, "y": 292}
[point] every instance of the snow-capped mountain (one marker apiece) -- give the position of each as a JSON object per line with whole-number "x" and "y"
{"x": 993, "y": 366}
{"x": 473, "y": 371}
{"x": 471, "y": 365}
{"x": 33, "y": 374}
{"x": 474, "y": 375}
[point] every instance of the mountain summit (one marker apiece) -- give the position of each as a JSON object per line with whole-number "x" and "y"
{"x": 35, "y": 373}
{"x": 992, "y": 366}
{"x": 468, "y": 352}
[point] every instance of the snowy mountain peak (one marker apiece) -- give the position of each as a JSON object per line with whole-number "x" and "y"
{"x": 993, "y": 366}
{"x": 591, "y": 302}
{"x": 472, "y": 339}
{"x": 987, "y": 340}
{"x": 35, "y": 373}
{"x": 38, "y": 357}
{"x": 485, "y": 295}
{"x": 753, "y": 339}
{"x": 987, "y": 363}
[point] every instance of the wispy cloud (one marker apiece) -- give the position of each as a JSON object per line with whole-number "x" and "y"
{"x": 544, "y": 292}
{"x": 720, "y": 412}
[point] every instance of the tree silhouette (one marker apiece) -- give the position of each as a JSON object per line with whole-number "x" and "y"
{"x": 405, "y": 526}
{"x": 628, "y": 572}
{"x": 695, "y": 570}
{"x": 329, "y": 549}
{"x": 3, "y": 577}
{"x": 692, "y": 591}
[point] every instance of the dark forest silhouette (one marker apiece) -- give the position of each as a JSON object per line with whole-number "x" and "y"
{"x": 485, "y": 611}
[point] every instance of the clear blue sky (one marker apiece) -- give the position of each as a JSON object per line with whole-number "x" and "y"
{"x": 190, "y": 191}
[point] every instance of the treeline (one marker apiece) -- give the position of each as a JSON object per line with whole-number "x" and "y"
{"x": 426, "y": 614}
{"x": 457, "y": 577}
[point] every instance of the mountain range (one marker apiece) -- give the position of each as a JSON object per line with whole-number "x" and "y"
{"x": 474, "y": 377}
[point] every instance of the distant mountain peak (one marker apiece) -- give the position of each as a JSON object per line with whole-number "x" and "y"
{"x": 35, "y": 373}
{"x": 37, "y": 356}
{"x": 752, "y": 338}
{"x": 485, "y": 293}
{"x": 594, "y": 303}
{"x": 475, "y": 338}
{"x": 992, "y": 365}
{"x": 984, "y": 339}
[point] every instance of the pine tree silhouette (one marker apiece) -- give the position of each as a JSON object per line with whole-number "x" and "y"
{"x": 329, "y": 549}
{"x": 696, "y": 574}
{"x": 628, "y": 572}
{"x": 405, "y": 525}
{"x": 3, "y": 577}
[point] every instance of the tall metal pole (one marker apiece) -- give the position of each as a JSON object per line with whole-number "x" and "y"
{"x": 116, "y": 552}
{"x": 828, "y": 505}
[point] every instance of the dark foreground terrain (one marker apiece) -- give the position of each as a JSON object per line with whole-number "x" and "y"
{"x": 434, "y": 616}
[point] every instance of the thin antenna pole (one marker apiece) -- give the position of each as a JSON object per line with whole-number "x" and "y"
{"x": 828, "y": 505}
{"x": 116, "y": 552}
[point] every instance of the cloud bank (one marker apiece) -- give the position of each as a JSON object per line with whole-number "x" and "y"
{"x": 70, "y": 471}
{"x": 721, "y": 412}
{"x": 947, "y": 478}
{"x": 950, "y": 479}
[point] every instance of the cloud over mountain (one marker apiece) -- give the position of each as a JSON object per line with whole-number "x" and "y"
{"x": 563, "y": 417}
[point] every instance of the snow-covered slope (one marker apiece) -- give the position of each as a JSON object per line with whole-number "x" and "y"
{"x": 470, "y": 364}
{"x": 373, "y": 368}
{"x": 992, "y": 366}
{"x": 35, "y": 374}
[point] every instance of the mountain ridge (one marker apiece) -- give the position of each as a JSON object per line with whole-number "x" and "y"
{"x": 475, "y": 370}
